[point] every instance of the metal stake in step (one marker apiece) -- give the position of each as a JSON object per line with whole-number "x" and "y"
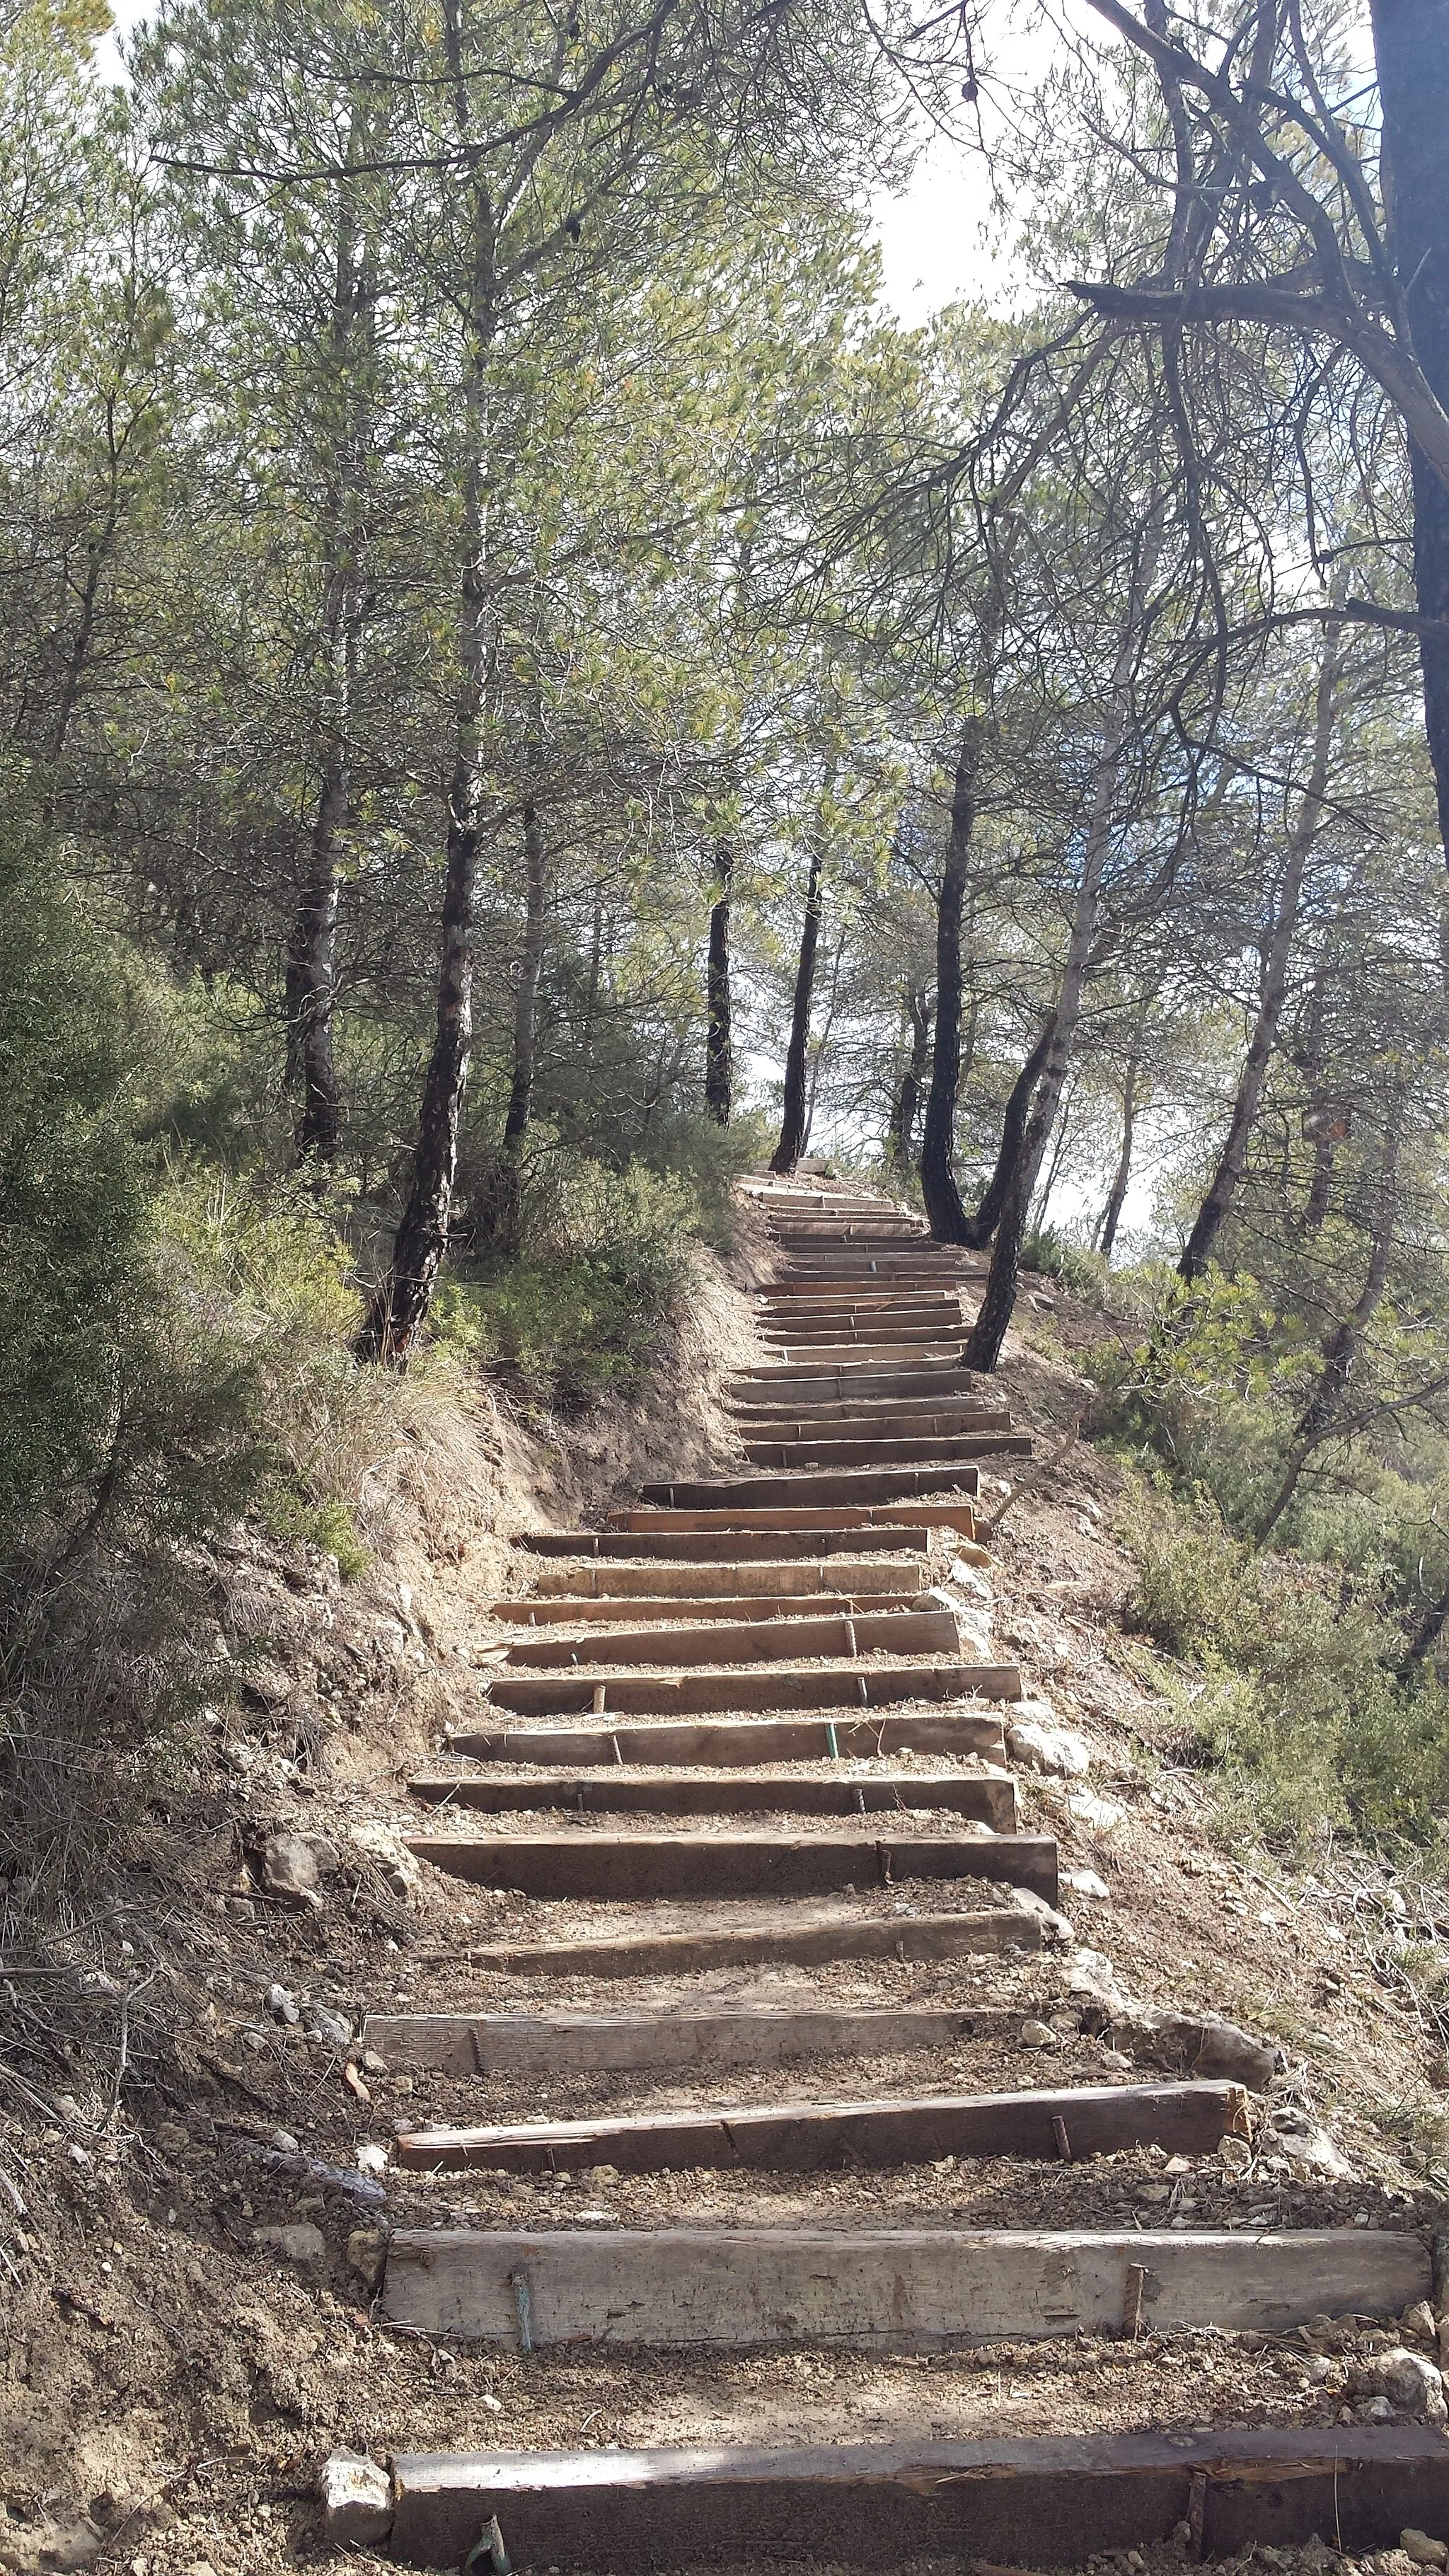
{"x": 488, "y": 2551}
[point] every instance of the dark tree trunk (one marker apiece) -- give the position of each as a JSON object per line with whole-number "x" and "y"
{"x": 400, "y": 1303}
{"x": 1322, "y": 1415}
{"x": 530, "y": 971}
{"x": 1117, "y": 1195}
{"x": 311, "y": 978}
{"x": 946, "y": 1215}
{"x": 983, "y": 1348}
{"x": 902, "y": 1130}
{"x": 1198, "y": 1250}
{"x": 792, "y": 1130}
{"x": 1428, "y": 1633}
{"x": 1411, "y": 47}
{"x": 719, "y": 1058}
{"x": 496, "y": 1211}
{"x": 982, "y": 1226}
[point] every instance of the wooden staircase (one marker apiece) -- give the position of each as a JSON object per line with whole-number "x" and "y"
{"x": 706, "y": 1708}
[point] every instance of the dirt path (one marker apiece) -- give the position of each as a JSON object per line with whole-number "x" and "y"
{"x": 780, "y": 2108}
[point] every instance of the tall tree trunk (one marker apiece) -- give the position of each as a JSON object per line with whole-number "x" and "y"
{"x": 530, "y": 971}
{"x": 1411, "y": 47}
{"x": 400, "y": 1303}
{"x": 1037, "y": 1216}
{"x": 497, "y": 1213}
{"x": 1322, "y": 1415}
{"x": 946, "y": 1215}
{"x": 1315, "y": 1206}
{"x": 983, "y": 1347}
{"x": 900, "y": 1134}
{"x": 311, "y": 973}
{"x": 792, "y": 1129}
{"x": 719, "y": 1058}
{"x": 983, "y": 1224}
{"x": 1117, "y": 1194}
{"x": 822, "y": 1049}
{"x": 1197, "y": 1252}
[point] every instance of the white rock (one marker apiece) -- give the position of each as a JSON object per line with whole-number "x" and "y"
{"x": 331, "y": 2029}
{"x": 1090, "y": 1974}
{"x": 1099, "y": 1815}
{"x": 1235, "y": 2153}
{"x": 384, "y": 1845}
{"x": 1025, "y": 1900}
{"x": 969, "y": 1578}
{"x": 1038, "y": 2034}
{"x": 1413, "y": 2386}
{"x": 1085, "y": 1882}
{"x": 1423, "y": 2551}
{"x": 1308, "y": 2147}
{"x": 356, "y": 2498}
{"x": 1057, "y": 1749}
{"x": 282, "y": 2005}
{"x": 299, "y": 2242}
{"x": 371, "y": 2159}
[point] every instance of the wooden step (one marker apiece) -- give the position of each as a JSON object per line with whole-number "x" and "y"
{"x": 989, "y": 1797}
{"x": 806, "y": 2137}
{"x": 689, "y": 1537}
{"x": 782, "y": 1641}
{"x": 940, "y": 1348}
{"x": 846, "y": 1416}
{"x": 793, "y": 1937}
{"x": 628, "y": 1867}
{"x": 673, "y": 2039}
{"x": 1035, "y": 2501}
{"x": 743, "y": 1740}
{"x": 883, "y": 1452}
{"x": 692, "y": 1608}
{"x": 608, "y": 1583}
{"x": 837, "y": 1485}
{"x": 866, "y": 1520}
{"x": 857, "y": 1325}
{"x": 881, "y": 2289}
{"x": 747, "y": 1687}
{"x": 900, "y": 1381}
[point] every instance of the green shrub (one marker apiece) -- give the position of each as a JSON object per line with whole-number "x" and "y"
{"x": 604, "y": 1263}
{"x": 1294, "y": 1688}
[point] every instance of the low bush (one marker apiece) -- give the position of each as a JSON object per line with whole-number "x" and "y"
{"x": 1289, "y": 1678}
{"x": 604, "y": 1263}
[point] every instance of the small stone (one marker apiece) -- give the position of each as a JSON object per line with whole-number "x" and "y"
{"x": 1057, "y": 1750}
{"x": 356, "y": 2498}
{"x": 330, "y": 2029}
{"x": 1099, "y": 1815}
{"x": 372, "y": 2064}
{"x": 1039, "y": 2034}
{"x": 1413, "y": 2385}
{"x": 1085, "y": 1882}
{"x": 371, "y": 2158}
{"x": 1424, "y": 2552}
{"x": 1417, "y": 2322}
{"x": 298, "y": 2242}
{"x": 367, "y": 2255}
{"x": 1115, "y": 2062}
{"x": 1236, "y": 2154}
{"x": 282, "y": 2005}
{"x": 491, "y": 2405}
{"x": 289, "y": 1871}
{"x": 1376, "y": 2410}
{"x": 1307, "y": 2146}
